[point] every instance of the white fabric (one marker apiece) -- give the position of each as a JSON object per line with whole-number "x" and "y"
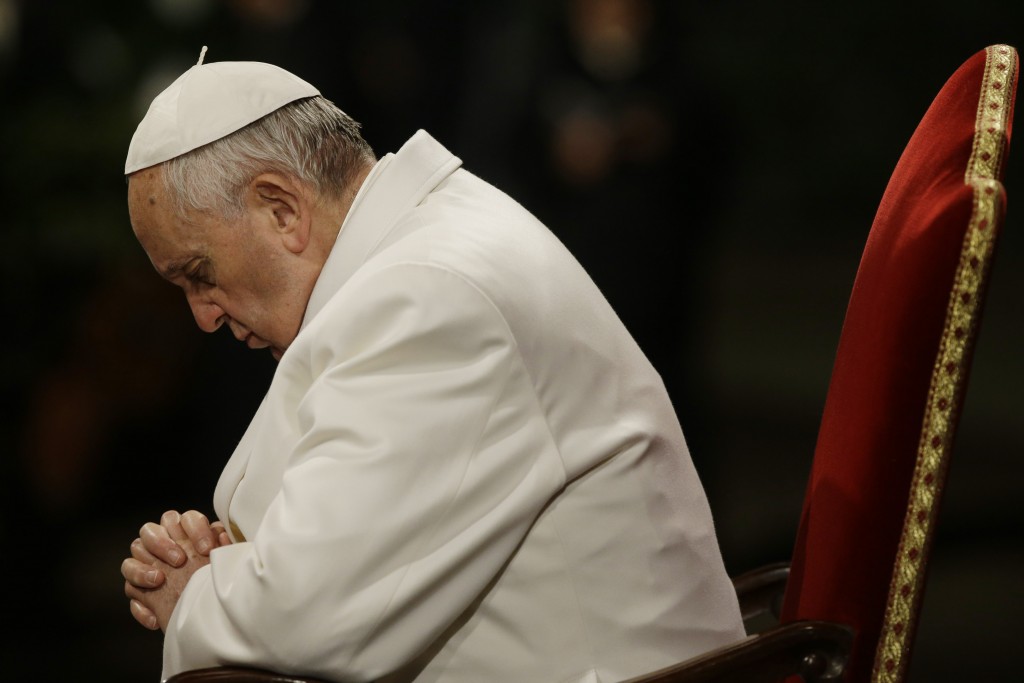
{"x": 208, "y": 102}
{"x": 464, "y": 470}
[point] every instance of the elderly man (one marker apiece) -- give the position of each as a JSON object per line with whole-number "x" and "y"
{"x": 464, "y": 469}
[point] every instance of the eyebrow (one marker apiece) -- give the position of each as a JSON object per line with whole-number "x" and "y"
{"x": 176, "y": 268}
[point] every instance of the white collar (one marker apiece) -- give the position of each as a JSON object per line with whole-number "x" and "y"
{"x": 396, "y": 184}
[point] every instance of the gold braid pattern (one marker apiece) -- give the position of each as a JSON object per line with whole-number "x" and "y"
{"x": 948, "y": 382}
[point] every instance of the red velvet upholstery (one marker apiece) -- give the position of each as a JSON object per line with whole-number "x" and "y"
{"x": 885, "y": 395}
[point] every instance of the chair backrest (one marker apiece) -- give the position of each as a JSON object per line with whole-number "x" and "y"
{"x": 901, "y": 370}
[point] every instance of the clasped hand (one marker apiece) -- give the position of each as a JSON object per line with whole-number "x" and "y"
{"x": 163, "y": 559}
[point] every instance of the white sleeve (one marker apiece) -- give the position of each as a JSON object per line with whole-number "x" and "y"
{"x": 422, "y": 462}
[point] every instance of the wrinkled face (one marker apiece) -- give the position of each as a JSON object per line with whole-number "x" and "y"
{"x": 233, "y": 272}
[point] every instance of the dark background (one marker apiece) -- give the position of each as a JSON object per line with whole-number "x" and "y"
{"x": 715, "y": 165}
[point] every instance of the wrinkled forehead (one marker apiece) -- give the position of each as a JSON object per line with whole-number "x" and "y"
{"x": 145, "y": 193}
{"x": 152, "y": 213}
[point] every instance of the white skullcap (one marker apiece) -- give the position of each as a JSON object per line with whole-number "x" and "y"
{"x": 208, "y": 102}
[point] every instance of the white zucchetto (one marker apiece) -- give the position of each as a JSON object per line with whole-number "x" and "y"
{"x": 208, "y": 102}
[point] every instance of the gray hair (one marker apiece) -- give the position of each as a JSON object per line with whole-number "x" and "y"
{"x": 310, "y": 140}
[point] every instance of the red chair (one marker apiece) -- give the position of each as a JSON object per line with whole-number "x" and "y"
{"x": 856, "y": 578}
{"x": 901, "y": 371}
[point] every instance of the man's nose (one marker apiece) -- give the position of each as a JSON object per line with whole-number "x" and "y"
{"x": 209, "y": 316}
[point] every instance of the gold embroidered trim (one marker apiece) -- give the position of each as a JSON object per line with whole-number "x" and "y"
{"x": 987, "y": 154}
{"x": 945, "y": 394}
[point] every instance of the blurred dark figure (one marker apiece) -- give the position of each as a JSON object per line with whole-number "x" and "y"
{"x": 106, "y": 403}
{"x": 631, "y": 160}
{"x": 127, "y": 358}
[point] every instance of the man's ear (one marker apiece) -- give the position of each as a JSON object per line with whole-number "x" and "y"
{"x": 285, "y": 204}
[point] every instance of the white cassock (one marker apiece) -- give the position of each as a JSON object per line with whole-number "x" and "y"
{"x": 464, "y": 470}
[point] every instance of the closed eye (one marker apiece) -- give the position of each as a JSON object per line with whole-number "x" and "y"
{"x": 199, "y": 273}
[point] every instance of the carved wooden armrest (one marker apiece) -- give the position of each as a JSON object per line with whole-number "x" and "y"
{"x": 760, "y": 591}
{"x": 237, "y": 674}
{"x": 815, "y": 650}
